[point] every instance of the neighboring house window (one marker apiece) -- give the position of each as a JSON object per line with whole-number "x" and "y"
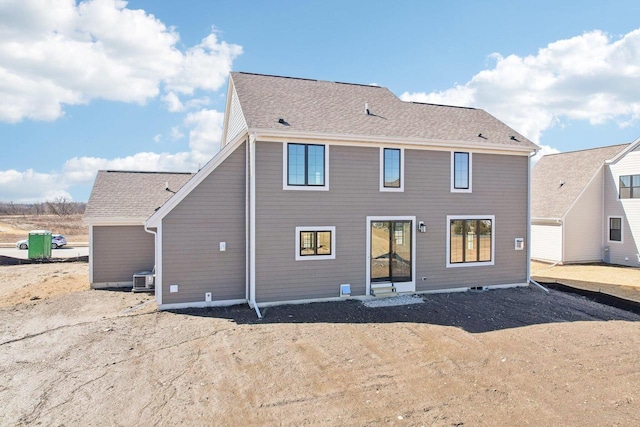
{"x": 315, "y": 243}
{"x": 461, "y": 169}
{"x": 470, "y": 240}
{"x": 305, "y": 167}
{"x": 391, "y": 169}
{"x": 630, "y": 186}
{"x": 615, "y": 229}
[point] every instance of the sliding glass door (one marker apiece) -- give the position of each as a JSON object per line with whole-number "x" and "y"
{"x": 391, "y": 251}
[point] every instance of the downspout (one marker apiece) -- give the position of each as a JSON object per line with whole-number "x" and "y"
{"x": 246, "y": 216}
{"x": 252, "y": 224}
{"x": 529, "y": 216}
{"x": 529, "y": 279}
{"x": 157, "y": 289}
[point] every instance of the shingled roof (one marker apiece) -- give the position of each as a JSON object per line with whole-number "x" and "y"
{"x": 130, "y": 196}
{"x": 324, "y": 107}
{"x": 557, "y": 180}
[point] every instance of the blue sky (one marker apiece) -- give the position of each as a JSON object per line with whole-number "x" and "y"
{"x": 108, "y": 84}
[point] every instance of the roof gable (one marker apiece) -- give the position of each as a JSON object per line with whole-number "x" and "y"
{"x": 323, "y": 107}
{"x": 130, "y": 196}
{"x": 557, "y": 180}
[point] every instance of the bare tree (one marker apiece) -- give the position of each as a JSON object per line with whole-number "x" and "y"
{"x": 61, "y": 205}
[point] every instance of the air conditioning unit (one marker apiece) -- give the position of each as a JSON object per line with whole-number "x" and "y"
{"x": 144, "y": 281}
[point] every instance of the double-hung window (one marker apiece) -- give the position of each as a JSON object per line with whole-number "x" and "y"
{"x": 305, "y": 166}
{"x": 630, "y": 186}
{"x": 391, "y": 169}
{"x": 615, "y": 229}
{"x": 315, "y": 243}
{"x": 461, "y": 171}
{"x": 470, "y": 240}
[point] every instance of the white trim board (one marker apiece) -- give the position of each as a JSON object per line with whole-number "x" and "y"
{"x": 193, "y": 183}
{"x": 449, "y": 264}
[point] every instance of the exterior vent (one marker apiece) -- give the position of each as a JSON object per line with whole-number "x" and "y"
{"x": 144, "y": 281}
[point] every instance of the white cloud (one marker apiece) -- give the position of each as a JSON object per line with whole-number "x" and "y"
{"x": 176, "y": 133}
{"x": 590, "y": 77}
{"x": 173, "y": 102}
{"x": 205, "y": 134}
{"x": 56, "y": 53}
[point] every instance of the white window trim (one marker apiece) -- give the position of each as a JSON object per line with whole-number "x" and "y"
{"x": 299, "y": 257}
{"x": 285, "y": 177}
{"x": 392, "y": 189}
{"x": 493, "y": 241}
{"x": 461, "y": 190}
{"x": 407, "y": 286}
{"x": 621, "y": 228}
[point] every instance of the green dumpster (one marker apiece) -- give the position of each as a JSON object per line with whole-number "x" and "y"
{"x": 39, "y": 244}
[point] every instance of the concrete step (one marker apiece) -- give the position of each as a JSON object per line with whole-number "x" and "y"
{"x": 383, "y": 290}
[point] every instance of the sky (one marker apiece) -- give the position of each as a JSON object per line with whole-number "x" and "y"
{"x": 141, "y": 85}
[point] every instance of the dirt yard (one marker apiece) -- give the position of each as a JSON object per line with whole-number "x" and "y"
{"x": 73, "y": 356}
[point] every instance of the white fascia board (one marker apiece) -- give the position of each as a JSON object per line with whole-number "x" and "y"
{"x": 624, "y": 152}
{"x": 114, "y": 221}
{"x": 155, "y": 219}
{"x": 368, "y": 140}
{"x": 546, "y": 221}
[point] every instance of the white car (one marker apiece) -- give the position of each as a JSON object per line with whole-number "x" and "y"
{"x": 57, "y": 241}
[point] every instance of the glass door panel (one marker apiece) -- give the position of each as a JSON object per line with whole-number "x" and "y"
{"x": 401, "y": 261}
{"x": 380, "y": 250}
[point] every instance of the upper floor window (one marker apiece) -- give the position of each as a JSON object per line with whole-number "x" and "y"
{"x": 615, "y": 229}
{"x": 305, "y": 166}
{"x": 461, "y": 171}
{"x": 630, "y": 186}
{"x": 391, "y": 169}
{"x": 470, "y": 240}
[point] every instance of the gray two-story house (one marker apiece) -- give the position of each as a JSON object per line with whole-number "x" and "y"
{"x": 324, "y": 190}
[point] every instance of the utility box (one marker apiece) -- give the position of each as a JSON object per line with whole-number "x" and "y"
{"x": 39, "y": 244}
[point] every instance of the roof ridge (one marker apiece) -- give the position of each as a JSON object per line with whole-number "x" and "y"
{"x": 442, "y": 105}
{"x": 588, "y": 149}
{"x": 275, "y": 75}
{"x": 149, "y": 172}
{"x": 310, "y": 80}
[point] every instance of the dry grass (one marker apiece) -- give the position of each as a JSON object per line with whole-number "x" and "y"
{"x": 16, "y": 227}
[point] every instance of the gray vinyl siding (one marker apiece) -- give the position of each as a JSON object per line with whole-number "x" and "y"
{"x": 499, "y": 188}
{"x": 120, "y": 251}
{"x": 213, "y": 212}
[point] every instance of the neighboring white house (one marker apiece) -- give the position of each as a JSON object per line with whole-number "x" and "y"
{"x": 585, "y": 206}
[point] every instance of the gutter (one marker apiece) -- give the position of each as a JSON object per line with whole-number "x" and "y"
{"x": 547, "y": 221}
{"x": 445, "y": 144}
{"x": 157, "y": 289}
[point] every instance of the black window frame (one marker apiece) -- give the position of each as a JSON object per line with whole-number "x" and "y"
{"x": 384, "y": 168}
{"x": 634, "y": 190}
{"x": 315, "y": 241}
{"x": 468, "y": 154}
{"x": 464, "y": 241}
{"x": 306, "y": 165}
{"x": 619, "y": 230}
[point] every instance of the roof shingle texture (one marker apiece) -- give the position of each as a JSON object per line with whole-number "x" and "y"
{"x": 574, "y": 169}
{"x": 134, "y": 195}
{"x": 339, "y": 108}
